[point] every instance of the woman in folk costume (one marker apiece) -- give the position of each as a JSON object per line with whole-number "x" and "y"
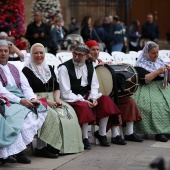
{"x": 19, "y": 117}
{"x": 129, "y": 111}
{"x": 18, "y": 127}
{"x": 152, "y": 98}
{"x": 62, "y": 130}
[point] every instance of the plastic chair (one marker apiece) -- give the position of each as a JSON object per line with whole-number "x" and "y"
{"x": 133, "y": 52}
{"x": 106, "y": 57}
{"x": 139, "y": 52}
{"x": 64, "y": 56}
{"x": 53, "y": 61}
{"x": 118, "y": 56}
{"x": 164, "y": 54}
{"x": 18, "y": 64}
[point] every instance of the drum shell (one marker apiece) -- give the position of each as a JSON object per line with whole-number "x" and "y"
{"x": 106, "y": 80}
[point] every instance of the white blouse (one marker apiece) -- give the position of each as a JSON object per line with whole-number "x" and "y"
{"x": 65, "y": 87}
{"x": 95, "y": 63}
{"x": 27, "y": 90}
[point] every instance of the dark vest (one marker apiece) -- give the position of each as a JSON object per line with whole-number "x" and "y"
{"x": 76, "y": 83}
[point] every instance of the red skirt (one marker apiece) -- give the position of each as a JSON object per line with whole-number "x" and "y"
{"x": 86, "y": 114}
{"x": 129, "y": 110}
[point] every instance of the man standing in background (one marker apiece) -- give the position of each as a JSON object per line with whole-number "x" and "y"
{"x": 118, "y": 35}
{"x": 37, "y": 31}
{"x": 150, "y": 29}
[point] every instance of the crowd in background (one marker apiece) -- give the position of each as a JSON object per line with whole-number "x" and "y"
{"x": 109, "y": 31}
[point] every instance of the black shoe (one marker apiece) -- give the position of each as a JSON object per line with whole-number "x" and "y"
{"x": 161, "y": 138}
{"x": 22, "y": 158}
{"x": 44, "y": 153}
{"x": 2, "y": 161}
{"x": 102, "y": 139}
{"x": 133, "y": 137}
{"x": 10, "y": 159}
{"x": 118, "y": 140}
{"x": 52, "y": 149}
{"x": 86, "y": 144}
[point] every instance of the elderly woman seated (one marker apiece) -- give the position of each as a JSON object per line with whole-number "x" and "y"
{"x": 152, "y": 97}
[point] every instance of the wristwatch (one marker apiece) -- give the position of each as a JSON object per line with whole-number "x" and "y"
{"x": 10, "y": 44}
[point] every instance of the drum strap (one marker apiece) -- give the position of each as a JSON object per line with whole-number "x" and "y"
{"x": 120, "y": 79}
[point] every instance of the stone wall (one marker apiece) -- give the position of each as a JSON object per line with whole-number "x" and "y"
{"x": 28, "y": 8}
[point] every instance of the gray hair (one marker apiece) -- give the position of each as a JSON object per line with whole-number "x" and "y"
{"x": 152, "y": 45}
{"x": 82, "y": 48}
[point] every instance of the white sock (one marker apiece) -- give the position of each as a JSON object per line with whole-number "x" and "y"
{"x": 102, "y": 126}
{"x": 114, "y": 131}
{"x": 129, "y": 128}
{"x": 85, "y": 130}
{"x": 40, "y": 144}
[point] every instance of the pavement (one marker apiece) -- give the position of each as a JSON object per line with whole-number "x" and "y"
{"x": 133, "y": 156}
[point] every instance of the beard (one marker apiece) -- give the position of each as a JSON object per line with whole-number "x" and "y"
{"x": 79, "y": 64}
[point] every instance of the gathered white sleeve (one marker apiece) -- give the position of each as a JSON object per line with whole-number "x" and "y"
{"x": 27, "y": 90}
{"x": 94, "y": 87}
{"x": 25, "y": 55}
{"x": 65, "y": 87}
{"x": 5, "y": 93}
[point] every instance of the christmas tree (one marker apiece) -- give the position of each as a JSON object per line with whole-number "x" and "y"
{"x": 48, "y": 8}
{"x": 12, "y": 19}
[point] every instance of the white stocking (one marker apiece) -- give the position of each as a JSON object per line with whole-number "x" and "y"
{"x": 129, "y": 128}
{"x": 115, "y": 131}
{"x": 85, "y": 130}
{"x": 102, "y": 126}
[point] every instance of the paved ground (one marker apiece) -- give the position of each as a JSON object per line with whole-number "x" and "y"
{"x": 133, "y": 156}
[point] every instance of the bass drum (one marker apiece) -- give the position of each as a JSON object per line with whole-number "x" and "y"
{"x": 105, "y": 74}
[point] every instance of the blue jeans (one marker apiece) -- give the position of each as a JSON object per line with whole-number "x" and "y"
{"x": 117, "y": 47}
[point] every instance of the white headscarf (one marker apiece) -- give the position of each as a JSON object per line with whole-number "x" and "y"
{"x": 145, "y": 62}
{"x": 41, "y": 71}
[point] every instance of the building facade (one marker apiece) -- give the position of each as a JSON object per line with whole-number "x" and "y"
{"x": 127, "y": 10}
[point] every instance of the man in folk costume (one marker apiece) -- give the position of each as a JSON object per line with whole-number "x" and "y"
{"x": 129, "y": 110}
{"x": 79, "y": 87}
{"x": 22, "y": 117}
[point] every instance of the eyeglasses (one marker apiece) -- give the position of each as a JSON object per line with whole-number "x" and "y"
{"x": 78, "y": 54}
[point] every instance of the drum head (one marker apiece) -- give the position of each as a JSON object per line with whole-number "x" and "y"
{"x": 126, "y": 77}
{"x": 105, "y": 80}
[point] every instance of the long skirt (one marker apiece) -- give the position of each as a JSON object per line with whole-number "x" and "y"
{"x": 154, "y": 104}
{"x": 30, "y": 127}
{"x": 61, "y": 129}
{"x": 19, "y": 125}
{"x": 129, "y": 110}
